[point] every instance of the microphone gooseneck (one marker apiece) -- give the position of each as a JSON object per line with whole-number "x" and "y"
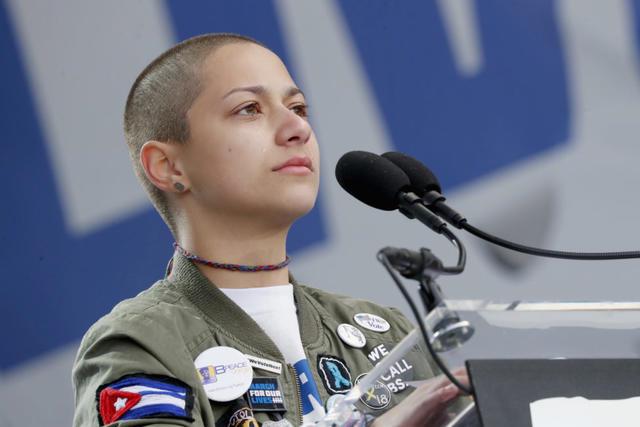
{"x": 413, "y": 264}
{"x": 425, "y": 184}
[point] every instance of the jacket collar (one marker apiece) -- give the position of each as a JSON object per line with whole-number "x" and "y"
{"x": 227, "y": 315}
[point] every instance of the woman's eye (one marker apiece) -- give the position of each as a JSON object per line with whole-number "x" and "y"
{"x": 249, "y": 110}
{"x": 301, "y": 110}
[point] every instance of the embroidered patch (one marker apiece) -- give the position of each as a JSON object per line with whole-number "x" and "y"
{"x": 265, "y": 395}
{"x": 238, "y": 415}
{"x": 144, "y": 396}
{"x": 335, "y": 374}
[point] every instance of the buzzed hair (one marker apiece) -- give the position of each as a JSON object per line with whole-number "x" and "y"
{"x": 159, "y": 99}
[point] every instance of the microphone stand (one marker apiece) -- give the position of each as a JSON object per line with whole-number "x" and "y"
{"x": 449, "y": 331}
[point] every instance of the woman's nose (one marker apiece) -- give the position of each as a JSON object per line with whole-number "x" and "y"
{"x": 293, "y": 129}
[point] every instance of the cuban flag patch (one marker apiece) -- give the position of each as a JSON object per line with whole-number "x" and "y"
{"x": 144, "y": 396}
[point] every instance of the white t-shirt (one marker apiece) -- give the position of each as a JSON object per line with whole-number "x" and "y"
{"x": 273, "y": 308}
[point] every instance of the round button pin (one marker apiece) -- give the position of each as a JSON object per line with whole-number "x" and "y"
{"x": 378, "y": 396}
{"x": 225, "y": 373}
{"x": 372, "y": 322}
{"x": 351, "y": 335}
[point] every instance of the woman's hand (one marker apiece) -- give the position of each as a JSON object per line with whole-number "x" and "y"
{"x": 426, "y": 406}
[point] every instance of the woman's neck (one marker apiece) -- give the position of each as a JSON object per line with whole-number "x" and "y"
{"x": 231, "y": 241}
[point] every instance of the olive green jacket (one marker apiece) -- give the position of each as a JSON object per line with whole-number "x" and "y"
{"x": 162, "y": 330}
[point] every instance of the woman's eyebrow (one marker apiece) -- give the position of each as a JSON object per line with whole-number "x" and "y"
{"x": 292, "y": 91}
{"x": 259, "y": 90}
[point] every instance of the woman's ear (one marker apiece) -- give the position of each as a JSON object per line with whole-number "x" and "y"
{"x": 158, "y": 160}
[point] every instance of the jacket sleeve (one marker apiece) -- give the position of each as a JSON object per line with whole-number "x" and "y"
{"x": 113, "y": 349}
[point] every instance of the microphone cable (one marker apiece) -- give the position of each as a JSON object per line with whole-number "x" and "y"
{"x": 425, "y": 184}
{"x": 548, "y": 253}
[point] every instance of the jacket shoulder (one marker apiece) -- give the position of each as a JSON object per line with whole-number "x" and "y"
{"x": 137, "y": 338}
{"x": 343, "y": 308}
{"x": 158, "y": 307}
{"x": 151, "y": 322}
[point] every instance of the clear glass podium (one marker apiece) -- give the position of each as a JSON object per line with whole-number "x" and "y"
{"x": 526, "y": 334}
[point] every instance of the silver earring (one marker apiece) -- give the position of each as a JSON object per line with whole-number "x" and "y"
{"x": 178, "y": 186}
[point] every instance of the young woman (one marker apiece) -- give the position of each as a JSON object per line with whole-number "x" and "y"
{"x": 219, "y": 137}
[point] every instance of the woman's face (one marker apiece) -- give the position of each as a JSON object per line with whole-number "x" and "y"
{"x": 248, "y": 123}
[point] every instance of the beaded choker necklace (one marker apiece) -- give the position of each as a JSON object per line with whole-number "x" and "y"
{"x": 231, "y": 267}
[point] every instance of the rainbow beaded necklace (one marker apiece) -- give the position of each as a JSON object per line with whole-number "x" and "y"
{"x": 231, "y": 267}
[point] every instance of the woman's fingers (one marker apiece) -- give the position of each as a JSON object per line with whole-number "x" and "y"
{"x": 427, "y": 405}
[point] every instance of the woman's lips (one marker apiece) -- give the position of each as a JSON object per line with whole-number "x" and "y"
{"x": 298, "y": 165}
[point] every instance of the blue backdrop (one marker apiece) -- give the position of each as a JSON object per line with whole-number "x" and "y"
{"x": 55, "y": 285}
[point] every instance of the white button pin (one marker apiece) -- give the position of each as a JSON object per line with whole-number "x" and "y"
{"x": 351, "y": 335}
{"x": 226, "y": 373}
{"x": 372, "y": 322}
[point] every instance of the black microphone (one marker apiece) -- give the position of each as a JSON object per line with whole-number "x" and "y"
{"x": 371, "y": 179}
{"x": 422, "y": 179}
{"x": 425, "y": 184}
{"x": 381, "y": 184}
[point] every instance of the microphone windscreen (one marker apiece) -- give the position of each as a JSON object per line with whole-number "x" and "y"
{"x": 421, "y": 178}
{"x": 371, "y": 179}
